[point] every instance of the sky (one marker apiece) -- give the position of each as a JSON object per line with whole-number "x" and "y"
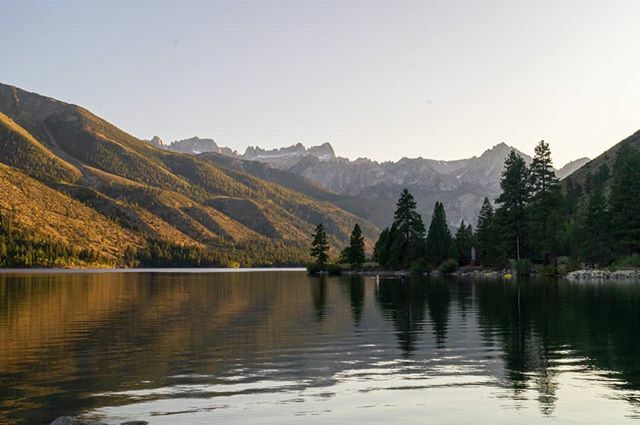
{"x": 377, "y": 79}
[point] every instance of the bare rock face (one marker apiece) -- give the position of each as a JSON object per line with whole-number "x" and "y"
{"x": 460, "y": 184}
{"x": 194, "y": 145}
{"x": 157, "y": 142}
{"x": 285, "y": 158}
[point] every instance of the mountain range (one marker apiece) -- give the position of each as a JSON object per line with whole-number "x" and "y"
{"x": 460, "y": 184}
{"x": 71, "y": 176}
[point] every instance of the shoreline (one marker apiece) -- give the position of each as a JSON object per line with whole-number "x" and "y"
{"x": 150, "y": 270}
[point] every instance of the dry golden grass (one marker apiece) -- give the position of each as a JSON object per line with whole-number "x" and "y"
{"x": 36, "y": 206}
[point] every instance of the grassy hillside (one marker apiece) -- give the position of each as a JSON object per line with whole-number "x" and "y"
{"x": 126, "y": 192}
{"x": 21, "y": 150}
{"x": 35, "y": 206}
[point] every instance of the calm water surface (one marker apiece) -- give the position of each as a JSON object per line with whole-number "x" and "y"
{"x": 281, "y": 347}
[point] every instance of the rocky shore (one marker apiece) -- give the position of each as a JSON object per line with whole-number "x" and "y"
{"x": 463, "y": 272}
{"x": 477, "y": 273}
{"x": 595, "y": 274}
{"x": 68, "y": 420}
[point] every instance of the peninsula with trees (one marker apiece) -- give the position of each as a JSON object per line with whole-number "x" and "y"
{"x": 536, "y": 224}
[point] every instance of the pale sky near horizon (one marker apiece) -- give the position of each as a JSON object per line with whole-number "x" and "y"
{"x": 381, "y": 79}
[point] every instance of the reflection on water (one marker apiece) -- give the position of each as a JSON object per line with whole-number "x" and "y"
{"x": 282, "y": 347}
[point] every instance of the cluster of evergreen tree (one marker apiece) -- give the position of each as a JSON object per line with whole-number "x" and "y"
{"x": 597, "y": 222}
{"x": 407, "y": 244}
{"x": 21, "y": 248}
{"x": 354, "y": 254}
{"x": 605, "y": 225}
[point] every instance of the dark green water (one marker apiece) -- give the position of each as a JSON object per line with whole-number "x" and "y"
{"x": 282, "y": 347}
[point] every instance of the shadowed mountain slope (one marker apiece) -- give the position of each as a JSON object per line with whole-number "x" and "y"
{"x": 607, "y": 158}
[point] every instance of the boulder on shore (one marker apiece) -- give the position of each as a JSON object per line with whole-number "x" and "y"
{"x": 578, "y": 275}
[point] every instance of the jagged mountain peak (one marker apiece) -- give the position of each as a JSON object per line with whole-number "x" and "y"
{"x": 501, "y": 150}
{"x": 157, "y": 141}
{"x": 286, "y": 154}
{"x": 195, "y": 145}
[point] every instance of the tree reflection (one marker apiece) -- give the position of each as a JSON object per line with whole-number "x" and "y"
{"x": 404, "y": 303}
{"x": 319, "y": 297}
{"x": 354, "y": 286}
{"x": 438, "y": 301}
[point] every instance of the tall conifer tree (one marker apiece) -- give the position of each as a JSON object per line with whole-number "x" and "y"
{"x": 594, "y": 228}
{"x": 545, "y": 203}
{"x": 439, "y": 236}
{"x": 511, "y": 216}
{"x": 320, "y": 246}
{"x": 404, "y": 242}
{"x": 354, "y": 254}
{"x": 483, "y": 233}
{"x": 463, "y": 241}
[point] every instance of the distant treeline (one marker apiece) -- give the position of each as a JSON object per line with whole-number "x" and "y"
{"x": 23, "y": 248}
{"x": 254, "y": 253}
{"x": 30, "y": 248}
{"x": 535, "y": 221}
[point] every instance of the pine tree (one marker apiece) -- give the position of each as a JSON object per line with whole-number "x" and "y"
{"x": 463, "y": 243}
{"x": 511, "y": 216}
{"x": 594, "y": 229}
{"x": 354, "y": 254}
{"x": 625, "y": 202}
{"x": 572, "y": 196}
{"x": 320, "y": 246}
{"x": 382, "y": 247}
{"x": 545, "y": 203}
{"x": 407, "y": 233}
{"x": 439, "y": 236}
{"x": 483, "y": 233}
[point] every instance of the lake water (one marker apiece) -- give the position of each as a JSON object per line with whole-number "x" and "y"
{"x": 278, "y": 347}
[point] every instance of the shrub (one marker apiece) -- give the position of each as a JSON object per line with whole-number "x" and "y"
{"x": 333, "y": 269}
{"x": 549, "y": 271}
{"x": 313, "y": 268}
{"x": 629, "y": 262}
{"x": 330, "y": 268}
{"x": 524, "y": 267}
{"x": 573, "y": 264}
{"x": 448, "y": 267}
{"x": 419, "y": 266}
{"x": 371, "y": 265}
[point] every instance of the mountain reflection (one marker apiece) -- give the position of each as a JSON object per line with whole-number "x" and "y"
{"x": 74, "y": 342}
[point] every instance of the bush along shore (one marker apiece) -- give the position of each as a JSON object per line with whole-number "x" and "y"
{"x": 536, "y": 226}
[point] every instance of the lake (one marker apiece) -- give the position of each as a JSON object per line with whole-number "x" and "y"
{"x": 281, "y": 347}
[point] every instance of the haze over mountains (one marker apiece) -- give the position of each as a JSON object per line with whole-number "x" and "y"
{"x": 460, "y": 184}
